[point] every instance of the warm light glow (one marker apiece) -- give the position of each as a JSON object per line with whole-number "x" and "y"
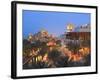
{"x": 75, "y": 57}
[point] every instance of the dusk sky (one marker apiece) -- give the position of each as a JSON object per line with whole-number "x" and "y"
{"x": 54, "y": 22}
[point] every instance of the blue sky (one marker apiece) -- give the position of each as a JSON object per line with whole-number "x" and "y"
{"x": 54, "y": 22}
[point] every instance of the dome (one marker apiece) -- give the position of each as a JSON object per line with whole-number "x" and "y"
{"x": 70, "y": 27}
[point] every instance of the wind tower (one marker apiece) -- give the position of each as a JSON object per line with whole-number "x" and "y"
{"x": 30, "y": 37}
